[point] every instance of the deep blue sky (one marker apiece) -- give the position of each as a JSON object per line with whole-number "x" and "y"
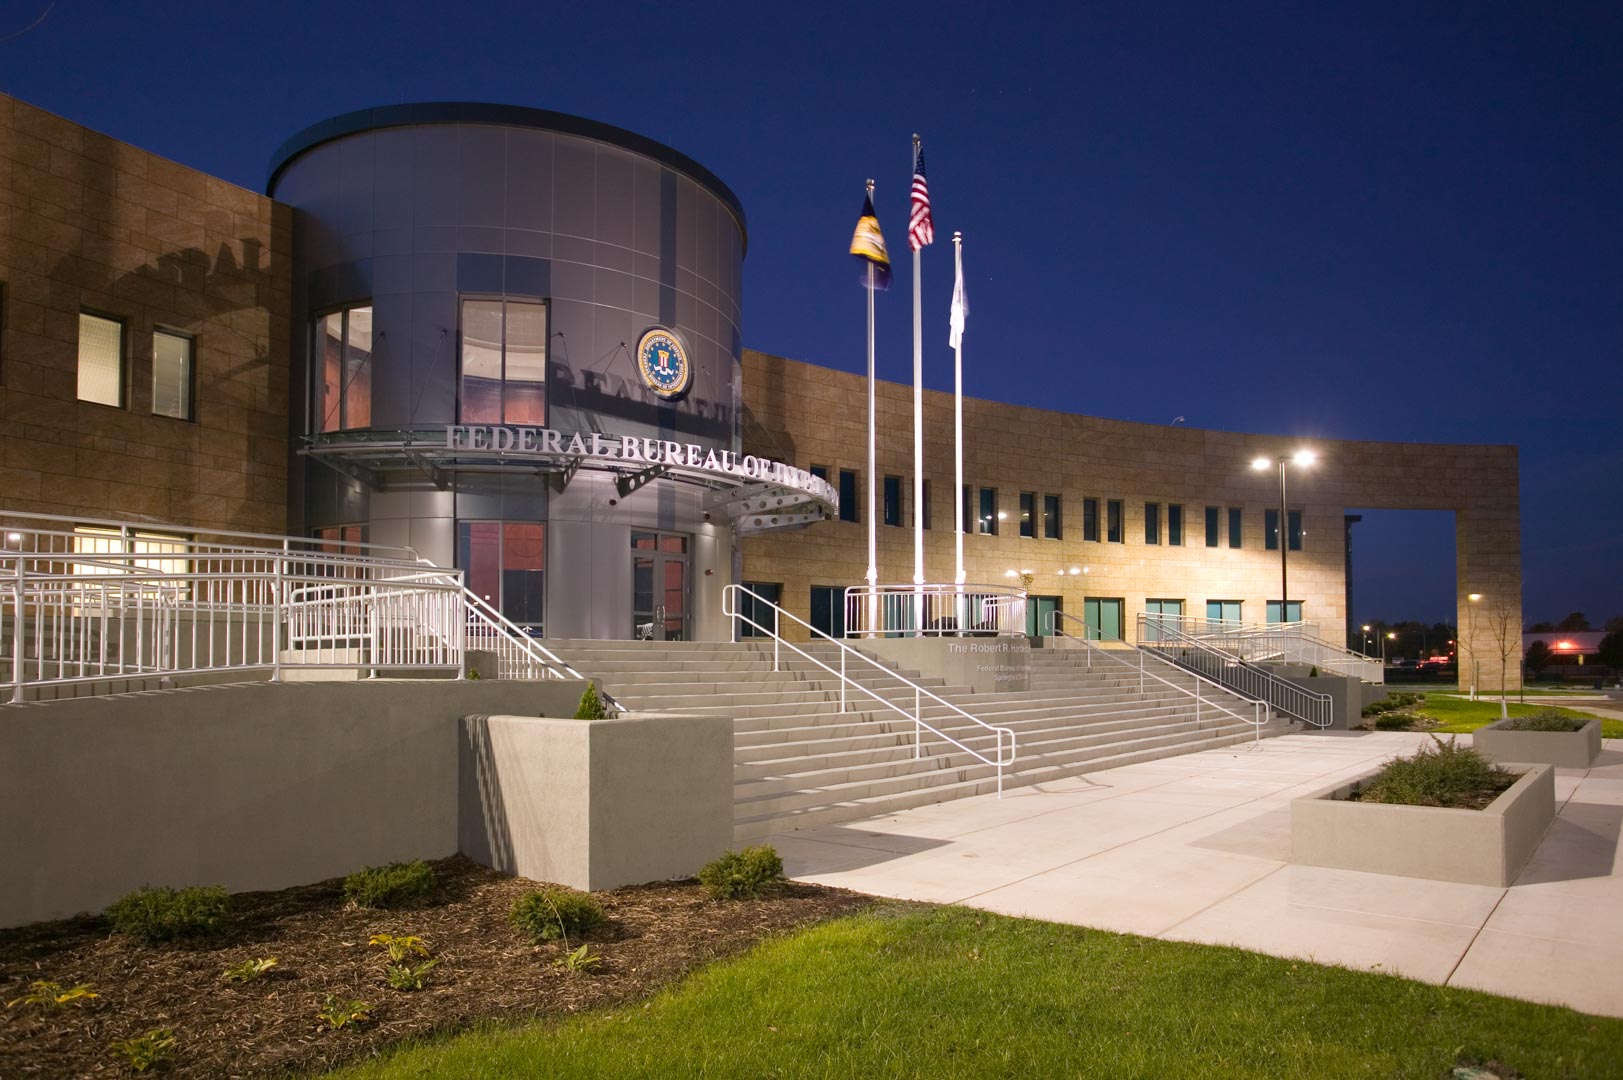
{"x": 1381, "y": 221}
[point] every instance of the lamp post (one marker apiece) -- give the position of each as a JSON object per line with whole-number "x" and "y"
{"x": 1366, "y": 639}
{"x": 1471, "y": 601}
{"x": 1303, "y": 458}
{"x": 1392, "y": 635}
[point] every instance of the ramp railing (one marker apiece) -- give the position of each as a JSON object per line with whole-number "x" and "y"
{"x": 1196, "y": 655}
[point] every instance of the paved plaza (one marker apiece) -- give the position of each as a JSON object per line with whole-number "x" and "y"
{"x": 1197, "y": 848}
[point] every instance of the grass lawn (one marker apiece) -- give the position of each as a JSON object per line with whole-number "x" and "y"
{"x": 1459, "y": 714}
{"x": 906, "y": 990}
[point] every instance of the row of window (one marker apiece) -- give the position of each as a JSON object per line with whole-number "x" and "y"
{"x": 103, "y": 372}
{"x": 1040, "y": 515}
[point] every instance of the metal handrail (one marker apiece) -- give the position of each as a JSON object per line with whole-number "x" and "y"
{"x": 1194, "y": 654}
{"x": 1289, "y": 642}
{"x": 934, "y": 610}
{"x": 1092, "y": 633}
{"x": 730, "y": 609}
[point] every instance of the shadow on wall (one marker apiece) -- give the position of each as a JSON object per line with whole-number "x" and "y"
{"x": 482, "y": 832}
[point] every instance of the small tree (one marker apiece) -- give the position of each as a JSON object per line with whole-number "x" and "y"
{"x": 1537, "y": 659}
{"x": 591, "y": 705}
{"x": 1505, "y": 626}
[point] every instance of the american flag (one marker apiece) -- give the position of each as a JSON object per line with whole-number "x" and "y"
{"x": 920, "y": 225}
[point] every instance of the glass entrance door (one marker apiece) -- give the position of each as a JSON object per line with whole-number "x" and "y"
{"x": 1040, "y": 615}
{"x": 1173, "y": 609}
{"x": 660, "y": 586}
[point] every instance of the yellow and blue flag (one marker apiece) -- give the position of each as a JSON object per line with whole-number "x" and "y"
{"x": 868, "y": 245}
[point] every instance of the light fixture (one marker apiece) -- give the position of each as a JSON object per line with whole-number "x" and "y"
{"x": 1393, "y": 636}
{"x": 1011, "y": 573}
{"x": 1474, "y": 597}
{"x": 1304, "y": 457}
{"x": 1076, "y": 569}
{"x": 1261, "y": 463}
{"x": 1366, "y": 628}
{"x": 1003, "y": 515}
{"x": 14, "y": 537}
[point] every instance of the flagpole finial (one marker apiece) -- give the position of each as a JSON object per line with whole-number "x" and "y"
{"x": 957, "y": 237}
{"x": 915, "y": 138}
{"x": 870, "y": 185}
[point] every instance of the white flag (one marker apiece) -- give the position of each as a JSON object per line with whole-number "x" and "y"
{"x": 960, "y": 306}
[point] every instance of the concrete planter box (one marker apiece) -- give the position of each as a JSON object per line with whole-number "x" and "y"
{"x": 1563, "y": 749}
{"x": 1479, "y": 847}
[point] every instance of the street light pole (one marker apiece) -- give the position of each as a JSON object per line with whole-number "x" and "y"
{"x": 1303, "y": 458}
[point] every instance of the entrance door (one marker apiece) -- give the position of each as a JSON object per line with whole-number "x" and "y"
{"x": 660, "y": 586}
{"x": 1152, "y": 608}
{"x": 504, "y": 562}
{"x": 1103, "y": 618}
{"x": 1040, "y": 615}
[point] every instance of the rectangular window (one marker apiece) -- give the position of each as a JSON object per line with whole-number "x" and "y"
{"x": 986, "y": 524}
{"x": 1051, "y": 523}
{"x": 1211, "y": 526}
{"x": 1175, "y": 524}
{"x": 101, "y": 360}
{"x": 1028, "y": 514}
{"x": 116, "y": 545}
{"x": 1235, "y": 533}
{"x": 1294, "y": 525}
{"x": 756, "y": 615}
{"x": 966, "y": 511}
{"x": 924, "y": 511}
{"x": 344, "y": 360}
{"x": 172, "y": 365}
{"x": 1293, "y": 611}
{"x": 1152, "y": 523}
{"x": 828, "y": 609}
{"x": 848, "y": 496}
{"x": 505, "y": 563}
{"x": 2, "y": 333}
{"x": 1163, "y": 617}
{"x": 821, "y": 472}
{"x": 1223, "y": 610}
{"x": 1113, "y": 530}
{"x": 1090, "y": 520}
{"x": 893, "y": 500}
{"x": 504, "y": 362}
{"x": 1270, "y": 530}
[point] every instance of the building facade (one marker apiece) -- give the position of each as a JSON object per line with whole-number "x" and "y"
{"x": 511, "y": 340}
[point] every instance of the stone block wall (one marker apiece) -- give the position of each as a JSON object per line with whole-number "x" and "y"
{"x": 90, "y": 223}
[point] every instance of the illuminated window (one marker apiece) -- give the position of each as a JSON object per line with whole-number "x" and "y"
{"x": 172, "y": 364}
{"x": 344, "y": 370}
{"x": 154, "y": 552}
{"x": 504, "y": 361}
{"x": 101, "y": 360}
{"x": 504, "y": 563}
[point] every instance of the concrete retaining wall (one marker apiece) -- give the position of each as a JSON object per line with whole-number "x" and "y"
{"x": 250, "y": 786}
{"x": 1563, "y": 749}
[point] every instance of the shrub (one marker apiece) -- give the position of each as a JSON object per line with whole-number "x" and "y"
{"x": 554, "y": 912}
{"x": 739, "y": 874}
{"x": 1376, "y": 708}
{"x": 591, "y": 705}
{"x": 407, "y": 977}
{"x": 1443, "y": 774}
{"x": 401, "y": 947}
{"x": 145, "y": 1051}
{"x": 1544, "y": 720}
{"x": 392, "y": 886}
{"x": 159, "y": 914}
{"x": 1394, "y": 722}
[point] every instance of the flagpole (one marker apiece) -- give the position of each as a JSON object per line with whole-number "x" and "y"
{"x": 918, "y": 425}
{"x": 873, "y": 536}
{"x": 958, "y": 416}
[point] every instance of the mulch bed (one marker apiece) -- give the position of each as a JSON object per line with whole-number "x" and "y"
{"x": 655, "y": 934}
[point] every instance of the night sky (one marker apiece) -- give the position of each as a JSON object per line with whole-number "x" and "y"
{"x": 1372, "y": 221}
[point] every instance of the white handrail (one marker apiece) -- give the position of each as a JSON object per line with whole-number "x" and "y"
{"x": 1259, "y": 708}
{"x": 934, "y": 610}
{"x": 1185, "y": 651}
{"x": 729, "y": 609}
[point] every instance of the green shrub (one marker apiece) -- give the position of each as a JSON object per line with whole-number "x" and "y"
{"x": 159, "y": 914}
{"x": 591, "y": 705}
{"x": 744, "y": 873}
{"x": 341, "y": 1012}
{"x": 144, "y": 1051}
{"x": 554, "y": 912}
{"x": 408, "y": 977}
{"x": 1394, "y": 722}
{"x": 392, "y": 886}
{"x": 1544, "y": 720}
{"x": 1443, "y": 774}
{"x": 1376, "y": 708}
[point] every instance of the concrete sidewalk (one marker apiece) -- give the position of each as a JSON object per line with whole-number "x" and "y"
{"x": 1197, "y": 848}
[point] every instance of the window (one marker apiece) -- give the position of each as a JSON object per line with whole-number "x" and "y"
{"x": 505, "y": 562}
{"x": 1028, "y": 514}
{"x": 1175, "y": 524}
{"x": 1293, "y": 522}
{"x": 924, "y": 511}
{"x": 966, "y": 511}
{"x": 1223, "y": 610}
{"x": 1113, "y": 521}
{"x": 1293, "y": 611}
{"x": 821, "y": 472}
{"x": 344, "y": 359}
{"x": 1235, "y": 533}
{"x": 504, "y": 361}
{"x": 93, "y": 541}
{"x": 986, "y": 524}
{"x": 1271, "y": 529}
{"x": 1040, "y": 614}
{"x": 756, "y": 615}
{"x": 1051, "y": 524}
{"x": 828, "y": 609}
{"x": 848, "y": 496}
{"x": 1211, "y": 526}
{"x": 172, "y": 364}
{"x": 893, "y": 500}
{"x": 101, "y": 360}
{"x": 1162, "y": 614}
{"x": 1090, "y": 520}
{"x": 1152, "y": 523}
{"x": 2, "y": 333}
{"x": 335, "y": 539}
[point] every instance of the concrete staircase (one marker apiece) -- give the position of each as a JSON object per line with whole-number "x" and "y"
{"x": 799, "y": 761}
